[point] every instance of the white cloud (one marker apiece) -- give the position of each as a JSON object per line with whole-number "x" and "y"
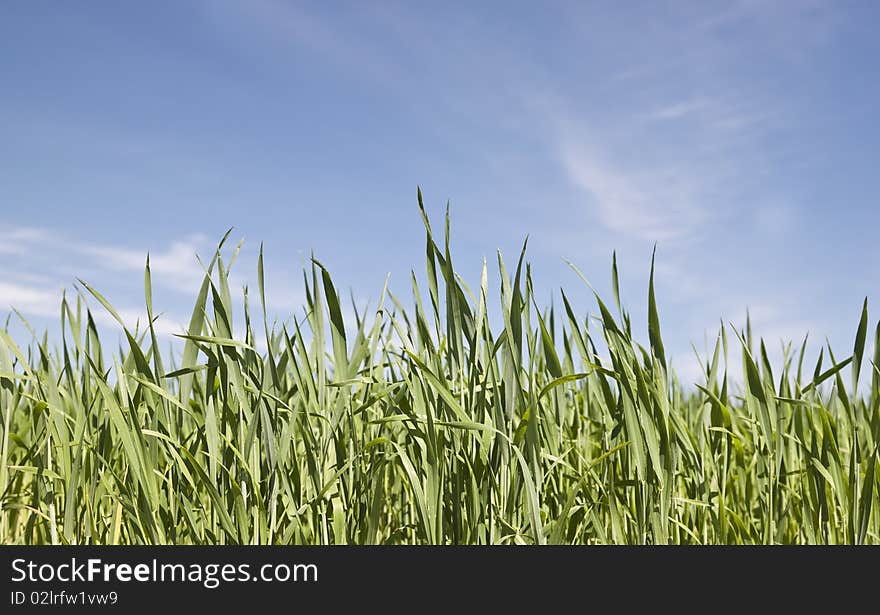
{"x": 134, "y": 319}
{"x": 654, "y": 204}
{"x": 667, "y": 144}
{"x": 17, "y": 240}
{"x": 29, "y": 299}
{"x": 175, "y": 266}
{"x": 37, "y": 290}
{"x": 117, "y": 272}
{"x": 45, "y": 302}
{"x": 679, "y": 110}
{"x": 284, "y": 300}
{"x": 290, "y": 23}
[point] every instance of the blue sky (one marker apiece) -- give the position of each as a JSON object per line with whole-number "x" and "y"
{"x": 739, "y": 136}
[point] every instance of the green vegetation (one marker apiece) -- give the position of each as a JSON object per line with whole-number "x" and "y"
{"x": 428, "y": 425}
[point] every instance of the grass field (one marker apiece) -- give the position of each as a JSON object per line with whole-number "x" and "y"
{"x": 427, "y": 424}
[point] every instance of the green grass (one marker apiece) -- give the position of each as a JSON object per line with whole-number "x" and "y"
{"x": 428, "y": 425}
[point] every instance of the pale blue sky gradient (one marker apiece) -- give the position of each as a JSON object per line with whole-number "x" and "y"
{"x": 740, "y": 136}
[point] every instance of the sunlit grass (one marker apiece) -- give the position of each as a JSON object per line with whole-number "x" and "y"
{"x": 428, "y": 425}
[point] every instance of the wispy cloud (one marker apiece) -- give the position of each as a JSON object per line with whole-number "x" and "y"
{"x": 664, "y": 170}
{"x": 175, "y": 266}
{"x": 691, "y": 133}
{"x": 679, "y": 110}
{"x": 165, "y": 326}
{"x": 771, "y": 323}
{"x": 654, "y": 204}
{"x": 291, "y": 23}
{"x": 45, "y": 302}
{"x": 38, "y": 292}
{"x": 29, "y": 299}
{"x": 17, "y": 240}
{"x": 117, "y": 272}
